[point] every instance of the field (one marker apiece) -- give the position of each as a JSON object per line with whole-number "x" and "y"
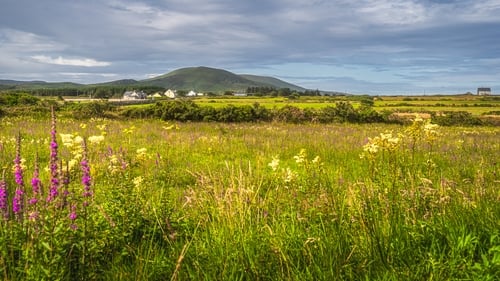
{"x": 151, "y": 200}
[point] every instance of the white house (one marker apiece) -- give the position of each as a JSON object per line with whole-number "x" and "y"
{"x": 156, "y": 95}
{"x": 170, "y": 93}
{"x": 134, "y": 95}
{"x": 483, "y": 91}
{"x": 191, "y": 94}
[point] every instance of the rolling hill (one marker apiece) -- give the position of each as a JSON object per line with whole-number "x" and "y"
{"x": 200, "y": 79}
{"x": 214, "y": 80}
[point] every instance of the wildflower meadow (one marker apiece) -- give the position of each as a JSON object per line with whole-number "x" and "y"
{"x": 145, "y": 199}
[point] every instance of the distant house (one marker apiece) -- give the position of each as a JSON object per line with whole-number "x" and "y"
{"x": 156, "y": 95}
{"x": 240, "y": 94}
{"x": 134, "y": 95}
{"x": 170, "y": 93}
{"x": 483, "y": 91}
{"x": 191, "y": 94}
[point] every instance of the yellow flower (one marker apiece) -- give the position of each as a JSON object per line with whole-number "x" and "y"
{"x": 301, "y": 157}
{"x": 138, "y": 181}
{"x": 142, "y": 154}
{"x": 317, "y": 160}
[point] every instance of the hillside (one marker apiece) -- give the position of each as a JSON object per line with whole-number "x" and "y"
{"x": 13, "y": 84}
{"x": 271, "y": 81}
{"x": 200, "y": 79}
{"x": 215, "y": 80}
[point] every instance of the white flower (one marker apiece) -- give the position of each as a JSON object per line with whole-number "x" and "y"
{"x": 290, "y": 175}
{"x": 96, "y": 139}
{"x": 274, "y": 164}
{"x": 67, "y": 139}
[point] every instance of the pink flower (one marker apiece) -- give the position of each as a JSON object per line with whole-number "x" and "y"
{"x": 4, "y": 207}
{"x": 54, "y": 171}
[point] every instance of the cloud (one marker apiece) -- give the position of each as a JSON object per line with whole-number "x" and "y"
{"x": 72, "y": 62}
{"x": 369, "y": 43}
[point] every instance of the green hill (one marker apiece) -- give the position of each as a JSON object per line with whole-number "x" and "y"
{"x": 13, "y": 84}
{"x": 273, "y": 82}
{"x": 214, "y": 80}
{"x": 199, "y": 79}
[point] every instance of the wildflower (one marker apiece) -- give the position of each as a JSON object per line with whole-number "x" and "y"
{"x": 274, "y": 164}
{"x": 114, "y": 164}
{"x": 72, "y": 215}
{"x": 54, "y": 171}
{"x": 83, "y": 125}
{"x": 4, "y": 208}
{"x": 86, "y": 179}
{"x": 301, "y": 157}
{"x": 102, "y": 127}
{"x": 78, "y": 140}
{"x": 290, "y": 175}
{"x": 67, "y": 139}
{"x": 35, "y": 184}
{"x": 138, "y": 181}
{"x": 96, "y": 139}
{"x": 130, "y": 130}
{"x": 317, "y": 160}
{"x": 17, "y": 201}
{"x": 141, "y": 154}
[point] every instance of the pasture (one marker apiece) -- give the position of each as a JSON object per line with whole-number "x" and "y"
{"x": 152, "y": 200}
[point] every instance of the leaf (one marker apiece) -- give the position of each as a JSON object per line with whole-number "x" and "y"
{"x": 46, "y": 246}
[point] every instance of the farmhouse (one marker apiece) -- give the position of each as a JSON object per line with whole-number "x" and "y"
{"x": 170, "y": 93}
{"x": 483, "y": 91}
{"x": 134, "y": 95}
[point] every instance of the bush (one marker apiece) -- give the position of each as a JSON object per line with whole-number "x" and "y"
{"x": 456, "y": 118}
{"x": 13, "y": 99}
{"x": 88, "y": 110}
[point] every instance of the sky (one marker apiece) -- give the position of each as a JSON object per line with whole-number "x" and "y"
{"x": 409, "y": 47}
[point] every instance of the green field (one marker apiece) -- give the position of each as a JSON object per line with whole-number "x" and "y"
{"x": 263, "y": 201}
{"x": 476, "y": 105}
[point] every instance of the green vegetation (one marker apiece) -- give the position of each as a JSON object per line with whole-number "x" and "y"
{"x": 454, "y": 110}
{"x": 200, "y": 79}
{"x": 253, "y": 201}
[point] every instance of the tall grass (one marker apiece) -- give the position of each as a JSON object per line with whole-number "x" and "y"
{"x": 203, "y": 201}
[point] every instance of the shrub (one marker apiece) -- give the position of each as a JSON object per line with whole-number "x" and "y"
{"x": 455, "y": 118}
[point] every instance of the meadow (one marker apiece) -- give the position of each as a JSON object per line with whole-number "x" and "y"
{"x": 104, "y": 199}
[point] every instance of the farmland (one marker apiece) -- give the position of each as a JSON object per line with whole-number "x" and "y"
{"x": 476, "y": 105}
{"x": 157, "y": 200}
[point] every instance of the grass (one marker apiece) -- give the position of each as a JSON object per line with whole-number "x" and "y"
{"x": 200, "y": 201}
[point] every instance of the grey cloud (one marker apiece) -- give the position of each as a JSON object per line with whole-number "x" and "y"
{"x": 151, "y": 36}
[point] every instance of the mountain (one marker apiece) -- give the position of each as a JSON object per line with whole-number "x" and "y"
{"x": 200, "y": 79}
{"x": 273, "y": 82}
{"x": 208, "y": 79}
{"x": 13, "y": 84}
{"x": 121, "y": 82}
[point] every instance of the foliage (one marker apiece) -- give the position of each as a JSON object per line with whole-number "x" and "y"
{"x": 454, "y": 118}
{"x": 260, "y": 201}
{"x": 18, "y": 99}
